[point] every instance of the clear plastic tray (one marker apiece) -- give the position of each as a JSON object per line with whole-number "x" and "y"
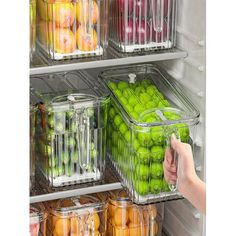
{"x": 126, "y": 218}
{"x": 71, "y": 29}
{"x": 142, "y": 25}
{"x": 38, "y": 218}
{"x": 70, "y": 136}
{"x": 84, "y": 215}
{"x": 147, "y": 107}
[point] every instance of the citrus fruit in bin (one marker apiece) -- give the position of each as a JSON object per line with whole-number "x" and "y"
{"x": 61, "y": 226}
{"x": 121, "y": 231}
{"x": 135, "y": 229}
{"x": 120, "y": 216}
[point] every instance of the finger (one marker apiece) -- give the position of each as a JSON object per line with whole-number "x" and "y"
{"x": 179, "y": 147}
{"x": 168, "y": 156}
{"x": 168, "y": 167}
{"x": 170, "y": 178}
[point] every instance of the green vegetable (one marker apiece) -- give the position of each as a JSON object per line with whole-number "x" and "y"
{"x": 156, "y": 170}
{"x": 155, "y": 186}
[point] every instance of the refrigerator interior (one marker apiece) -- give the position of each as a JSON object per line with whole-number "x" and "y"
{"x": 180, "y": 217}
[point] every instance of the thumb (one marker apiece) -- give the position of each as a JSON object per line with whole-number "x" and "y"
{"x": 177, "y": 145}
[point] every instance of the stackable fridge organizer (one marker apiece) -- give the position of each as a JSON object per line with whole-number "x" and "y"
{"x": 71, "y": 29}
{"x": 83, "y": 215}
{"x": 142, "y": 25}
{"x": 146, "y": 109}
{"x": 125, "y": 216}
{"x": 70, "y": 130}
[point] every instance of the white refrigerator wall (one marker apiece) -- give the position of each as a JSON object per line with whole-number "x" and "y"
{"x": 181, "y": 218}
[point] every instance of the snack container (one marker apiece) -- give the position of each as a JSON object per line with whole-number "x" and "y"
{"x": 147, "y": 107}
{"x": 32, "y": 18}
{"x": 128, "y": 218}
{"x": 83, "y": 215}
{"x": 71, "y": 29}
{"x": 142, "y": 25}
{"x": 70, "y": 136}
{"x": 38, "y": 219}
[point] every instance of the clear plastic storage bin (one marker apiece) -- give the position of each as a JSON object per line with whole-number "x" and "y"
{"x": 85, "y": 215}
{"x": 32, "y": 18}
{"x": 126, "y": 218}
{"x": 70, "y": 135}
{"x": 147, "y": 107}
{"x": 141, "y": 25}
{"x": 38, "y": 219}
{"x": 71, "y": 29}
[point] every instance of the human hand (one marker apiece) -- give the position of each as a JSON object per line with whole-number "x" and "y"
{"x": 186, "y": 173}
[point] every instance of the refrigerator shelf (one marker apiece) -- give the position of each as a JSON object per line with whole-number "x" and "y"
{"x": 41, "y": 193}
{"x": 42, "y": 65}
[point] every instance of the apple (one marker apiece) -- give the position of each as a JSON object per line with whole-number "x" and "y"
{"x": 45, "y": 8}
{"x": 86, "y": 41}
{"x": 142, "y": 32}
{"x": 86, "y": 12}
{"x": 127, "y": 31}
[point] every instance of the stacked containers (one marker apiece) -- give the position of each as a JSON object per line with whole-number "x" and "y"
{"x": 141, "y": 25}
{"x": 38, "y": 218}
{"x": 126, "y": 218}
{"x": 147, "y": 107}
{"x": 84, "y": 215}
{"x": 70, "y": 129}
{"x": 32, "y": 18}
{"x": 71, "y": 29}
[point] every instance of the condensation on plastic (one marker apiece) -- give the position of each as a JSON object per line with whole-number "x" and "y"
{"x": 141, "y": 25}
{"x": 83, "y": 215}
{"x": 72, "y": 29}
{"x": 139, "y": 138}
{"x": 70, "y": 134}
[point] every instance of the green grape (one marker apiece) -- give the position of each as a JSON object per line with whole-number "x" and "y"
{"x": 117, "y": 120}
{"x": 170, "y": 115}
{"x": 143, "y": 155}
{"x": 155, "y": 186}
{"x": 145, "y": 138}
{"x": 127, "y": 136}
{"x": 112, "y": 85}
{"x": 183, "y": 130}
{"x": 158, "y": 135}
{"x": 123, "y": 101}
{"x": 118, "y": 93}
{"x": 122, "y": 85}
{"x": 139, "y": 108}
{"x": 145, "y": 97}
{"x": 65, "y": 158}
{"x": 157, "y": 153}
{"x": 142, "y": 187}
{"x": 139, "y": 90}
{"x": 142, "y": 171}
{"x": 128, "y": 108}
{"x": 156, "y": 170}
{"x": 112, "y": 112}
{"x": 165, "y": 186}
{"x": 132, "y": 100}
{"x": 150, "y": 105}
{"x": 123, "y": 128}
{"x": 146, "y": 82}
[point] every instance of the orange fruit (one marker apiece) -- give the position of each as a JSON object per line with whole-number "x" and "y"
{"x": 121, "y": 216}
{"x": 111, "y": 209}
{"x": 96, "y": 233}
{"x": 75, "y": 225}
{"x": 94, "y": 221}
{"x": 121, "y": 231}
{"x": 153, "y": 228}
{"x": 62, "y": 227}
{"x": 134, "y": 229}
{"x": 134, "y": 214}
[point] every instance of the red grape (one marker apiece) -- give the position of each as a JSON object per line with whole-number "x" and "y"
{"x": 141, "y": 7}
{"x": 130, "y": 6}
{"x": 142, "y": 30}
{"x": 127, "y": 31}
{"x": 157, "y": 36}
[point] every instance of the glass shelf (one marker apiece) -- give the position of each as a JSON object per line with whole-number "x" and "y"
{"x": 41, "y": 65}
